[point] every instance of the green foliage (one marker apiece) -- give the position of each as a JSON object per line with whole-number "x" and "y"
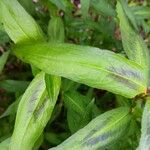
{"x": 79, "y": 110}
{"x": 100, "y": 132}
{"x": 12, "y": 16}
{"x": 75, "y": 62}
{"x": 144, "y": 141}
{"x": 74, "y": 75}
{"x": 133, "y": 44}
{"x": 33, "y": 113}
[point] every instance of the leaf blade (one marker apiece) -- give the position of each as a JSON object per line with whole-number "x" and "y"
{"x": 12, "y": 15}
{"x": 108, "y": 70}
{"x": 100, "y": 132}
{"x": 34, "y": 111}
{"x": 133, "y": 44}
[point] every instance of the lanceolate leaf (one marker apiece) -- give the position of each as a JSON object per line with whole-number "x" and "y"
{"x": 19, "y": 25}
{"x": 133, "y": 44}
{"x": 97, "y": 68}
{"x": 56, "y": 30}
{"x": 145, "y": 137}
{"x": 129, "y": 13}
{"x": 53, "y": 84}
{"x": 100, "y": 132}
{"x": 33, "y": 113}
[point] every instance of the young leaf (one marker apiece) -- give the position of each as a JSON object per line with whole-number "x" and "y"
{"x": 3, "y": 60}
{"x": 19, "y": 25}
{"x": 53, "y": 84}
{"x": 133, "y": 44}
{"x": 56, "y": 30}
{"x": 100, "y": 132}
{"x": 33, "y": 113}
{"x": 144, "y": 141}
{"x": 97, "y": 68}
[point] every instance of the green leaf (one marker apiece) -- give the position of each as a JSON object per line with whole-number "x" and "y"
{"x": 11, "y": 110}
{"x": 144, "y": 141}
{"x": 14, "y": 85}
{"x": 85, "y": 4}
{"x": 34, "y": 111}
{"x": 76, "y": 102}
{"x": 53, "y": 84}
{"x": 79, "y": 110}
{"x": 133, "y": 44}
{"x": 100, "y": 132}
{"x": 5, "y": 144}
{"x": 97, "y": 68}
{"x": 104, "y": 7}
{"x": 56, "y": 30}
{"x": 28, "y": 5}
{"x": 141, "y": 12}
{"x": 19, "y": 25}
{"x": 3, "y": 60}
{"x": 129, "y": 13}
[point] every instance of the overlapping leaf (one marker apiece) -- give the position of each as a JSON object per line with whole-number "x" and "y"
{"x": 56, "y": 30}
{"x": 100, "y": 132}
{"x": 33, "y": 113}
{"x": 19, "y": 25}
{"x": 133, "y": 44}
{"x": 97, "y": 68}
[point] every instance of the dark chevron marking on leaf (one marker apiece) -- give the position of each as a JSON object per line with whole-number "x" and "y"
{"x": 126, "y": 82}
{"x": 35, "y": 96}
{"x": 92, "y": 132}
{"x": 40, "y": 109}
{"x": 126, "y": 72}
{"x": 105, "y": 136}
{"x": 100, "y": 138}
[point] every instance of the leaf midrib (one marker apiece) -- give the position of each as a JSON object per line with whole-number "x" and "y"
{"x": 91, "y": 65}
{"x": 74, "y": 103}
{"x": 111, "y": 125}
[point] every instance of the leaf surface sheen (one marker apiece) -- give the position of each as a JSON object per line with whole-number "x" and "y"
{"x": 33, "y": 113}
{"x": 133, "y": 43}
{"x": 94, "y": 67}
{"x": 100, "y": 132}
